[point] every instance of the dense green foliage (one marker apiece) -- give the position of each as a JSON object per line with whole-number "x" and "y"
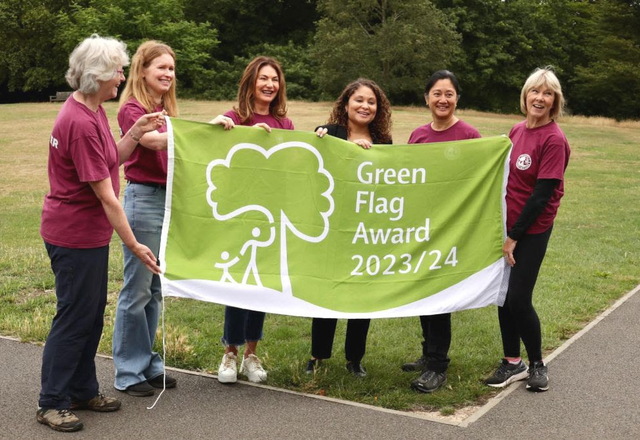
{"x": 322, "y": 44}
{"x": 609, "y": 83}
{"x": 397, "y": 43}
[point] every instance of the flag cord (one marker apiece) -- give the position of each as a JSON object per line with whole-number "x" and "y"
{"x": 164, "y": 357}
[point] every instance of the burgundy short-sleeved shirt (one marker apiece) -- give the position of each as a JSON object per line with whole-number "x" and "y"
{"x": 538, "y": 153}
{"x": 81, "y": 150}
{"x": 457, "y": 132}
{"x": 144, "y": 165}
{"x": 284, "y": 123}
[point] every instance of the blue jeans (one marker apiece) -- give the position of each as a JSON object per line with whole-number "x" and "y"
{"x": 242, "y": 326}
{"x": 141, "y": 295}
{"x": 68, "y": 366}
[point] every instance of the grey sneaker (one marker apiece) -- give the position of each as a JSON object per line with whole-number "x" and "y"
{"x": 429, "y": 381}
{"x": 419, "y": 364}
{"x": 99, "y": 403}
{"x": 507, "y": 373}
{"x": 59, "y": 419}
{"x": 538, "y": 378}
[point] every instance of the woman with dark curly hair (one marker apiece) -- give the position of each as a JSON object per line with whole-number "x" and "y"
{"x": 362, "y": 115}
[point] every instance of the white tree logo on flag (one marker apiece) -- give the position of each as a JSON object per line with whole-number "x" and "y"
{"x": 220, "y": 179}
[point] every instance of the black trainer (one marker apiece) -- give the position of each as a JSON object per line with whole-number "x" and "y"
{"x": 507, "y": 373}
{"x": 417, "y": 365}
{"x": 429, "y": 381}
{"x": 141, "y": 389}
{"x": 356, "y": 369}
{"x": 312, "y": 365}
{"x": 160, "y": 381}
{"x": 538, "y": 378}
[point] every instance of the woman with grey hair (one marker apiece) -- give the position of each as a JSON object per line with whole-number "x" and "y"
{"x": 539, "y": 158}
{"x": 79, "y": 215}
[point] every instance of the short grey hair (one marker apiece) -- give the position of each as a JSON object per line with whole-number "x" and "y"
{"x": 544, "y": 77}
{"x": 95, "y": 59}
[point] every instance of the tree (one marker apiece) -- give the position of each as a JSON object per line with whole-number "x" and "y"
{"x": 504, "y": 41}
{"x": 31, "y": 61}
{"x": 133, "y": 21}
{"x": 397, "y": 43}
{"x": 246, "y": 24}
{"x": 281, "y": 29}
{"x": 609, "y": 84}
{"x": 38, "y": 37}
{"x": 297, "y": 65}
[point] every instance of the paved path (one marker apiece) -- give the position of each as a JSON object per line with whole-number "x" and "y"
{"x": 594, "y": 394}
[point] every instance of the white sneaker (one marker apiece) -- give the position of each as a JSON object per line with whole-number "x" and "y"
{"x": 228, "y": 371}
{"x": 252, "y": 368}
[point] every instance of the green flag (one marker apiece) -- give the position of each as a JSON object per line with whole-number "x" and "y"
{"x": 286, "y": 222}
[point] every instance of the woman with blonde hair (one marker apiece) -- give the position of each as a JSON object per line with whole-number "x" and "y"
{"x": 151, "y": 88}
{"x": 539, "y": 158}
{"x": 262, "y": 102}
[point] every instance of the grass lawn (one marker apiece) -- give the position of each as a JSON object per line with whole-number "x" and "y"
{"x": 593, "y": 259}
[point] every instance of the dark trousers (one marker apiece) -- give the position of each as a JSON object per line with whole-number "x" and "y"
{"x": 68, "y": 367}
{"x": 242, "y": 326}
{"x": 323, "y": 331}
{"x": 518, "y": 318}
{"x": 436, "y": 334}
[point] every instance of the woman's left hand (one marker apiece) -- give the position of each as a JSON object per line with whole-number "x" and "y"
{"x": 223, "y": 120}
{"x": 321, "y": 131}
{"x": 507, "y": 249}
{"x": 146, "y": 256}
{"x": 364, "y": 143}
{"x": 263, "y": 125}
{"x": 150, "y": 122}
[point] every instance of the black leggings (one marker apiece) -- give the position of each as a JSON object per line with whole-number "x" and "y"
{"x": 518, "y": 318}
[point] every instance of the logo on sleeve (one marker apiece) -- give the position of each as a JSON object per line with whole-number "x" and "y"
{"x": 53, "y": 142}
{"x": 523, "y": 162}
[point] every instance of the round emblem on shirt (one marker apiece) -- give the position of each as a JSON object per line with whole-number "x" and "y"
{"x": 523, "y": 162}
{"x": 452, "y": 152}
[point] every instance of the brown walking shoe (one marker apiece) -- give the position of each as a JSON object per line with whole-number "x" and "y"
{"x": 100, "y": 403}
{"x": 59, "y": 419}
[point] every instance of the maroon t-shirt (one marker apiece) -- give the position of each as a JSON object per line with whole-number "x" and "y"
{"x": 538, "y": 153}
{"x": 81, "y": 150}
{"x": 284, "y": 123}
{"x": 457, "y": 132}
{"x": 144, "y": 165}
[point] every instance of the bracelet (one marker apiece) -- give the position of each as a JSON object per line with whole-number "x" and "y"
{"x": 136, "y": 139}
